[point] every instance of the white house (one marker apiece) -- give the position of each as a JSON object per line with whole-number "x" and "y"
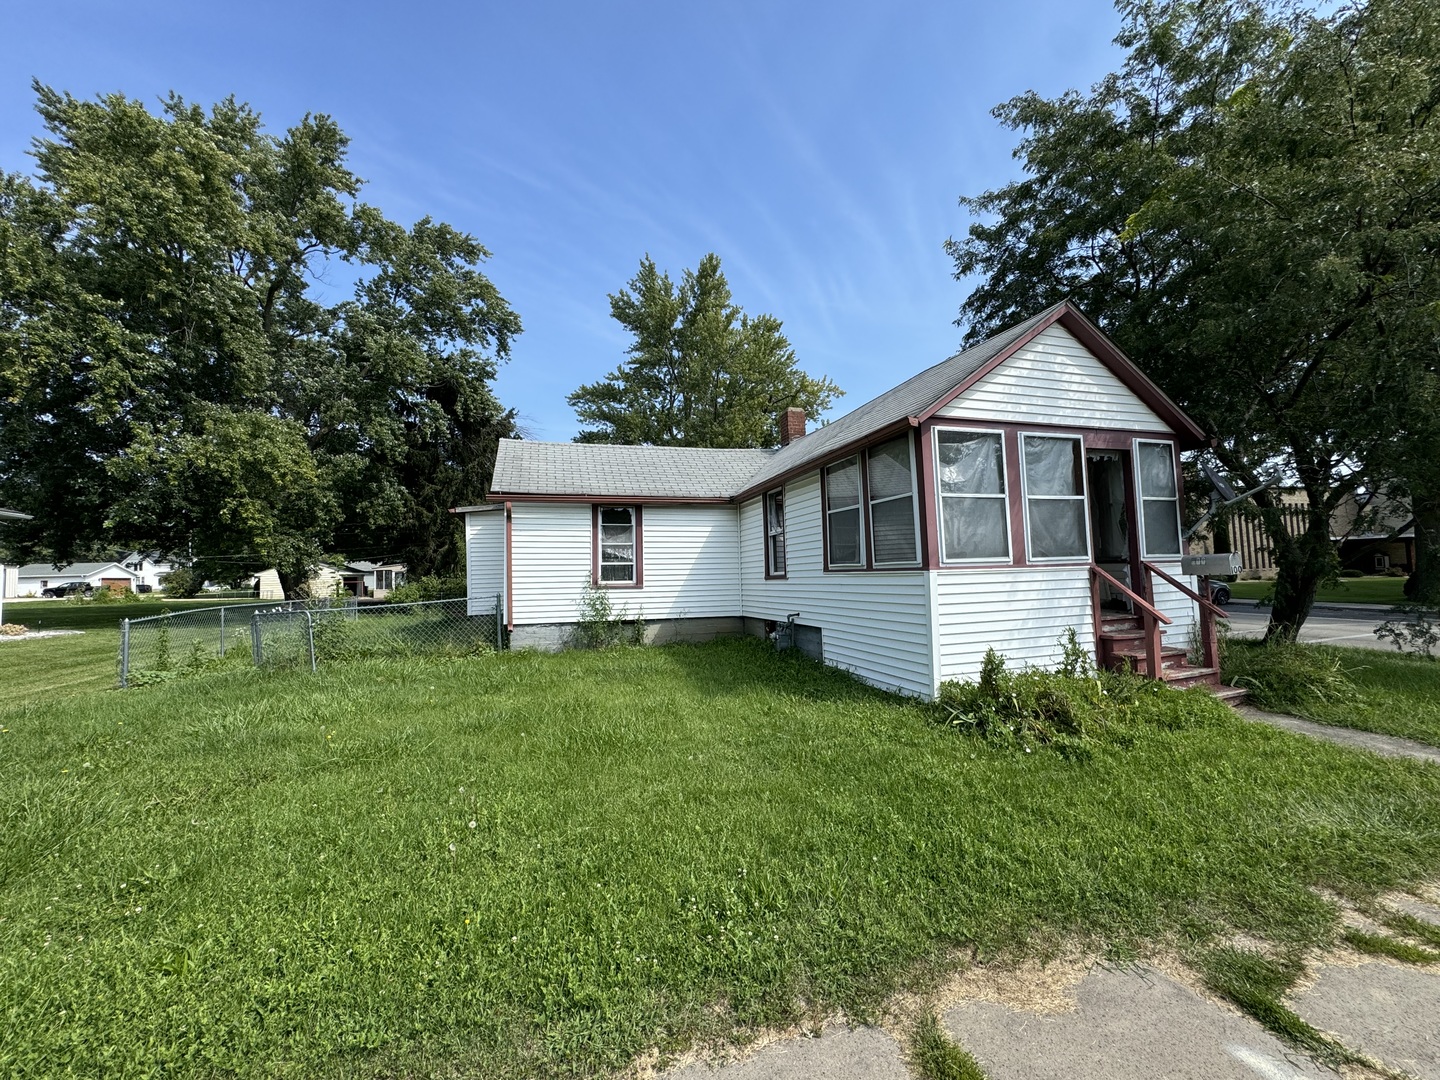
{"x": 35, "y": 577}
{"x": 150, "y": 569}
{"x": 377, "y": 578}
{"x": 1024, "y": 487}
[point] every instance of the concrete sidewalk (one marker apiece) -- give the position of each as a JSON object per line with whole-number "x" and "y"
{"x": 1093, "y": 1021}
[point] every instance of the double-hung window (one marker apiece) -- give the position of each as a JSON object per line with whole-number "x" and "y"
{"x": 974, "y": 509}
{"x": 617, "y": 543}
{"x": 1054, "y": 468}
{"x": 843, "y": 526}
{"x": 1159, "y": 497}
{"x": 775, "y": 533}
{"x": 894, "y": 528}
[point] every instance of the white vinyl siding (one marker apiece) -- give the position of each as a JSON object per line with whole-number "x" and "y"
{"x": 1055, "y": 380}
{"x": 1023, "y": 612}
{"x": 1175, "y": 604}
{"x": 484, "y": 559}
{"x": 875, "y": 624}
{"x": 690, "y": 562}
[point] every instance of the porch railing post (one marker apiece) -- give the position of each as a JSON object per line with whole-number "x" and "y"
{"x": 1209, "y": 633}
{"x": 1152, "y": 631}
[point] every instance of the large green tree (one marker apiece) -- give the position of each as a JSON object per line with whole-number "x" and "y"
{"x": 1251, "y": 208}
{"x": 172, "y": 377}
{"x": 700, "y": 372}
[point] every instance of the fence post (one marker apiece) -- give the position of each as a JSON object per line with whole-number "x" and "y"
{"x": 257, "y": 652}
{"x": 124, "y": 653}
{"x": 222, "y": 631}
{"x": 499, "y": 621}
{"x": 310, "y": 634}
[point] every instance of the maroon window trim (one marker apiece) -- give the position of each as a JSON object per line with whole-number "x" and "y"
{"x": 639, "y": 582}
{"x": 765, "y": 531}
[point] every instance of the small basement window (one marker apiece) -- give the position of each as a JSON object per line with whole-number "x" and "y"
{"x": 617, "y": 545}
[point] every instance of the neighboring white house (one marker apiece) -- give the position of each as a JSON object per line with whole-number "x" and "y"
{"x": 1020, "y": 489}
{"x": 377, "y": 578}
{"x": 34, "y": 578}
{"x": 150, "y": 569}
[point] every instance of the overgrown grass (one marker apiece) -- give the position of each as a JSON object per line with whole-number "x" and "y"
{"x": 1257, "y": 983}
{"x": 1362, "y": 590}
{"x": 1384, "y": 945}
{"x": 1387, "y": 692}
{"x": 935, "y": 1056}
{"x": 543, "y": 865}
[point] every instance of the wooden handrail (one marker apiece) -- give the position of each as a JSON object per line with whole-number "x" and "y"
{"x": 1215, "y": 609}
{"x": 1135, "y": 598}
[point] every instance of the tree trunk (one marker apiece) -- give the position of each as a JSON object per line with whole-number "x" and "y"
{"x": 294, "y": 581}
{"x": 1302, "y": 563}
{"x": 1423, "y": 585}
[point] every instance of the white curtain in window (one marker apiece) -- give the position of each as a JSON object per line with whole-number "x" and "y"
{"x": 1159, "y": 497}
{"x": 974, "y": 529}
{"x": 1055, "y": 497}
{"x": 970, "y": 463}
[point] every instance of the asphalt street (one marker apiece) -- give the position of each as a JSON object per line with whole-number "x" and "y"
{"x": 1352, "y": 625}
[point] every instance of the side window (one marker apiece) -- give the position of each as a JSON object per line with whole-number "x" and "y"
{"x": 1159, "y": 497}
{"x": 775, "y": 533}
{"x": 970, "y": 475}
{"x": 1054, "y": 497}
{"x": 617, "y": 540}
{"x": 842, "y": 514}
{"x": 894, "y": 534}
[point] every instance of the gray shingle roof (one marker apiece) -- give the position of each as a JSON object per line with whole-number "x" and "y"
{"x": 910, "y": 398}
{"x": 614, "y": 472}
{"x": 79, "y": 569}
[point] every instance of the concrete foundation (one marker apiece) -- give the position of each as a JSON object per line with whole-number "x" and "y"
{"x": 552, "y": 637}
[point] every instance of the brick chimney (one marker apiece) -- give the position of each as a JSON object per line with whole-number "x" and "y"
{"x": 792, "y": 425}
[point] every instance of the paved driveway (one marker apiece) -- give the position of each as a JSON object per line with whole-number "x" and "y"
{"x": 1332, "y": 624}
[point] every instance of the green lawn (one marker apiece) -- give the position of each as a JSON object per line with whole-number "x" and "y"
{"x": 544, "y": 865}
{"x": 1366, "y": 590}
{"x": 1398, "y": 693}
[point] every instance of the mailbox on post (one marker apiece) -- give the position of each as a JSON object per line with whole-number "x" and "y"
{"x": 1224, "y": 564}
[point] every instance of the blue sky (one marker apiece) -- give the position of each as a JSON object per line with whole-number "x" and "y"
{"x": 819, "y": 149}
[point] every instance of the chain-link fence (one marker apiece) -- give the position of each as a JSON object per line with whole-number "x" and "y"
{"x": 293, "y": 633}
{"x": 429, "y": 628}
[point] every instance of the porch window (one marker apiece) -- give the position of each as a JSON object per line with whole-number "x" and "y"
{"x": 1159, "y": 497}
{"x": 970, "y": 472}
{"x": 844, "y": 535}
{"x": 894, "y": 528}
{"x": 775, "y": 534}
{"x": 617, "y": 540}
{"x": 1054, "y": 497}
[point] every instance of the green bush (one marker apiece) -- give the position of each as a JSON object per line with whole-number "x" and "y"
{"x": 1067, "y": 708}
{"x": 182, "y": 583}
{"x": 1286, "y": 676}
{"x": 1352, "y": 573}
{"x": 429, "y": 587}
